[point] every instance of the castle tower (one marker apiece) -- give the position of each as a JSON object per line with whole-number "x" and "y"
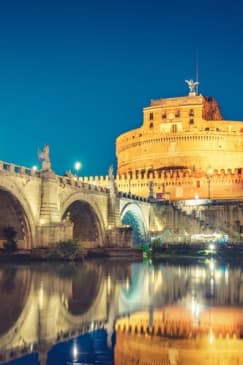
{"x": 179, "y": 136}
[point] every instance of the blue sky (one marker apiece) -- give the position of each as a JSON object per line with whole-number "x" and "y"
{"x": 76, "y": 74}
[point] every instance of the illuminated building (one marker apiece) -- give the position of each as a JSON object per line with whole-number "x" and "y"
{"x": 185, "y": 148}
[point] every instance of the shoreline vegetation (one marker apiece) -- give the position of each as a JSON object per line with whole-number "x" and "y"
{"x": 194, "y": 251}
{"x": 72, "y": 251}
{"x": 69, "y": 251}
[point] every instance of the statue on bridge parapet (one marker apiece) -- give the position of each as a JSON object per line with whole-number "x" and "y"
{"x": 44, "y": 158}
{"x": 151, "y": 190}
{"x": 112, "y": 184}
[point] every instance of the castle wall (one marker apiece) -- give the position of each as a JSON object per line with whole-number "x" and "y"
{"x": 194, "y": 149}
{"x": 179, "y": 184}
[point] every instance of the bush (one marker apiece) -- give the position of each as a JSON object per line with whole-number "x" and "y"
{"x": 68, "y": 249}
{"x": 10, "y": 245}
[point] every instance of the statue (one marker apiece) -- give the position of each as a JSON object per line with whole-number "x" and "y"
{"x": 192, "y": 86}
{"x": 44, "y": 158}
{"x": 151, "y": 190}
{"x": 112, "y": 183}
{"x": 110, "y": 172}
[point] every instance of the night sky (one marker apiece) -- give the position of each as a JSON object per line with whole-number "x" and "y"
{"x": 76, "y": 74}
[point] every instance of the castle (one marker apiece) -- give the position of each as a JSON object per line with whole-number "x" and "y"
{"x": 183, "y": 150}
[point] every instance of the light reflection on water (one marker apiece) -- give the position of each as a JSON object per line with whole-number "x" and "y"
{"x": 164, "y": 314}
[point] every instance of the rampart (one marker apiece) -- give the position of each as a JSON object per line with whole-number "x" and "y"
{"x": 177, "y": 184}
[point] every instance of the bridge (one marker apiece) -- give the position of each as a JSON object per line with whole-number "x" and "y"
{"x": 45, "y": 208}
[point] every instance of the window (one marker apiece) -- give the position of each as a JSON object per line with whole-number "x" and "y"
{"x": 177, "y": 114}
{"x": 191, "y": 121}
{"x": 174, "y": 128}
{"x": 151, "y": 125}
{"x": 163, "y": 116}
{"x": 191, "y": 113}
{"x": 151, "y": 116}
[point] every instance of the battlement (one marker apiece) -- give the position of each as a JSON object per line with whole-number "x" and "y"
{"x": 171, "y": 323}
{"x": 172, "y": 184}
{"x": 177, "y": 173}
{"x": 184, "y": 184}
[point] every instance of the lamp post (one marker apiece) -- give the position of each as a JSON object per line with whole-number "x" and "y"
{"x": 77, "y": 167}
{"x": 209, "y": 177}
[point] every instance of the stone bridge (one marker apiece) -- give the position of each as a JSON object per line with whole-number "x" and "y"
{"x": 45, "y": 208}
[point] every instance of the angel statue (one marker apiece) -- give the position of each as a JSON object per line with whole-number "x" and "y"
{"x": 44, "y": 158}
{"x": 112, "y": 184}
{"x": 192, "y": 86}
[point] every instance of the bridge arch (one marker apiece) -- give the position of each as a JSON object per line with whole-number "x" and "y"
{"x": 133, "y": 215}
{"x": 15, "y": 211}
{"x": 16, "y": 287}
{"x": 85, "y": 302}
{"x": 87, "y": 219}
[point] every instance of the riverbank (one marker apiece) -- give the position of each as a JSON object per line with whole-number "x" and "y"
{"x": 170, "y": 253}
{"x": 219, "y": 252}
{"x": 45, "y": 254}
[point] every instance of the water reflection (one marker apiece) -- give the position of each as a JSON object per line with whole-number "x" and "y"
{"x": 176, "y": 314}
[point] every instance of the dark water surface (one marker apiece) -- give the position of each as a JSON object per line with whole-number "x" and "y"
{"x": 61, "y": 313}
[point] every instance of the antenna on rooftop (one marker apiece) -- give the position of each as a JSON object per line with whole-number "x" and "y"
{"x": 197, "y": 71}
{"x": 193, "y": 85}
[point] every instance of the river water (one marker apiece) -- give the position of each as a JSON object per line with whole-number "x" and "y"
{"x": 118, "y": 312}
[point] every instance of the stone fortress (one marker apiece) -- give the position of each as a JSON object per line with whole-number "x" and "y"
{"x": 183, "y": 150}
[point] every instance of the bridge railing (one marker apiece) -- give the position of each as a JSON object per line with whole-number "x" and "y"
{"x": 74, "y": 181}
{"x": 79, "y": 183}
{"x": 17, "y": 169}
{"x": 132, "y": 196}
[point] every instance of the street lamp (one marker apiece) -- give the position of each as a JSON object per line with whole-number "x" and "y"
{"x": 209, "y": 177}
{"x": 77, "y": 167}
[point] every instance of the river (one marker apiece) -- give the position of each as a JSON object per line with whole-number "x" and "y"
{"x": 121, "y": 313}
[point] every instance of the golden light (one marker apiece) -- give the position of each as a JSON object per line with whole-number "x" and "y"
{"x": 211, "y": 337}
{"x": 75, "y": 351}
